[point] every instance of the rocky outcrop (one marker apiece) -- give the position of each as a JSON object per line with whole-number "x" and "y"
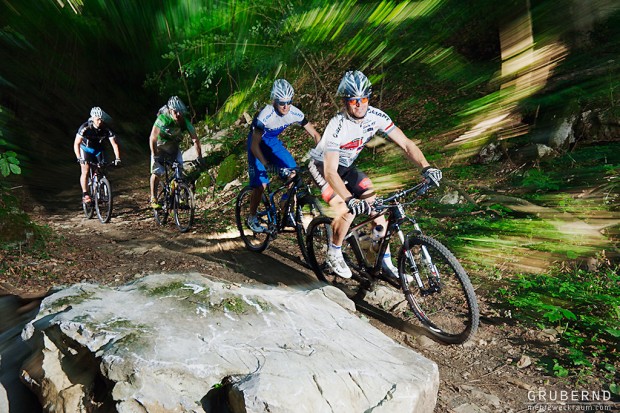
{"x": 183, "y": 343}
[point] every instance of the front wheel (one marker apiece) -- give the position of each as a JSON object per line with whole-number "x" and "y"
{"x": 446, "y": 303}
{"x": 254, "y": 241}
{"x": 103, "y": 200}
{"x": 183, "y": 207}
{"x": 307, "y": 208}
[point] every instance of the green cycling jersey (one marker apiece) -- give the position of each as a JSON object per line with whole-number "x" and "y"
{"x": 170, "y": 131}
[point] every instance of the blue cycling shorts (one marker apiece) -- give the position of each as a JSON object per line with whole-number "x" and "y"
{"x": 91, "y": 154}
{"x": 275, "y": 153}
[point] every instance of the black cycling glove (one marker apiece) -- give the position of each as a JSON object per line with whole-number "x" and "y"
{"x": 432, "y": 175}
{"x": 358, "y": 206}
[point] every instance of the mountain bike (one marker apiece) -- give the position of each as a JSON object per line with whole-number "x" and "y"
{"x": 290, "y": 205}
{"x": 439, "y": 293}
{"x": 175, "y": 197}
{"x": 100, "y": 193}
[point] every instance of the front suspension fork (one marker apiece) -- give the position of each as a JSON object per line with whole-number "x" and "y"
{"x": 433, "y": 279}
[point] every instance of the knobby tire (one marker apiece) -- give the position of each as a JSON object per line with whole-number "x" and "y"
{"x": 254, "y": 241}
{"x": 104, "y": 201}
{"x": 184, "y": 207}
{"x": 307, "y": 208}
{"x": 450, "y": 314}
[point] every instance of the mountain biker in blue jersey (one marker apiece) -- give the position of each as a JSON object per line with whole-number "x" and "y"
{"x": 264, "y": 147}
{"x": 88, "y": 145}
{"x": 348, "y": 190}
{"x": 166, "y": 135}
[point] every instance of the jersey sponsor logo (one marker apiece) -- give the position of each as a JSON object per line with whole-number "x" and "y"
{"x": 354, "y": 144}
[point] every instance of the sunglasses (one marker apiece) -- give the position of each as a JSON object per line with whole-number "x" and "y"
{"x": 281, "y": 103}
{"x": 354, "y": 101}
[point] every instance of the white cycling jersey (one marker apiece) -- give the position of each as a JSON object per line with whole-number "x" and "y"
{"x": 274, "y": 124}
{"x": 348, "y": 136}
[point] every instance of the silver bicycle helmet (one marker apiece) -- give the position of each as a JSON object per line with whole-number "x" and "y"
{"x": 174, "y": 103}
{"x": 97, "y": 112}
{"x": 354, "y": 84}
{"x": 282, "y": 90}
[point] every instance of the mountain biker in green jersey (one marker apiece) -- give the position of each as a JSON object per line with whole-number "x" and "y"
{"x": 166, "y": 135}
{"x": 88, "y": 145}
{"x": 348, "y": 190}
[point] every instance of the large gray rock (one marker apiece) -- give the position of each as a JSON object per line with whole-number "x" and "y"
{"x": 182, "y": 343}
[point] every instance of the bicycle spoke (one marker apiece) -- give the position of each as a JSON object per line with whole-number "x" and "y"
{"x": 306, "y": 210}
{"x": 446, "y": 303}
{"x": 103, "y": 200}
{"x": 183, "y": 207}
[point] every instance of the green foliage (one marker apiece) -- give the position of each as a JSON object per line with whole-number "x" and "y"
{"x": 229, "y": 170}
{"x": 582, "y": 306}
{"x": 9, "y": 164}
{"x": 540, "y": 180}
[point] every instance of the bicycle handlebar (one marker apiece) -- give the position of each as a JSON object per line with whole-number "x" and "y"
{"x": 420, "y": 189}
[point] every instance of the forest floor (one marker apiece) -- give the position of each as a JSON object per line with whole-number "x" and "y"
{"x": 498, "y": 371}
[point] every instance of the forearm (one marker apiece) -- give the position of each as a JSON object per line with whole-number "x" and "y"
{"x": 335, "y": 181}
{"x": 116, "y": 149}
{"x": 255, "y": 148}
{"x": 198, "y": 148}
{"x": 76, "y": 147}
{"x": 415, "y": 154}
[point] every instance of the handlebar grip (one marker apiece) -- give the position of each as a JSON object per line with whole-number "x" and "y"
{"x": 423, "y": 189}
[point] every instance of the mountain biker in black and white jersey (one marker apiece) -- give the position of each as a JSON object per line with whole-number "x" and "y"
{"x": 88, "y": 145}
{"x": 265, "y": 148}
{"x": 348, "y": 190}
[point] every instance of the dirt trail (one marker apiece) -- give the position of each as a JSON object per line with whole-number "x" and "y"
{"x": 481, "y": 376}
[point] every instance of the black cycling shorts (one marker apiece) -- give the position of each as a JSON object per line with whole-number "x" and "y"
{"x": 355, "y": 180}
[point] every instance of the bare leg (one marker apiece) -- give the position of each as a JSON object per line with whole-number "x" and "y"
{"x": 85, "y": 168}
{"x": 257, "y": 193}
{"x": 154, "y": 183}
{"x": 344, "y": 218}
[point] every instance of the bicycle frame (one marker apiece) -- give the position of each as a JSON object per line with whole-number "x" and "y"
{"x": 292, "y": 184}
{"x": 95, "y": 173}
{"x": 395, "y": 217}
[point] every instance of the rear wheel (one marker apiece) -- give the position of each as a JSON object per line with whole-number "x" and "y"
{"x": 103, "y": 200}
{"x": 307, "y": 208}
{"x": 254, "y": 241}
{"x": 89, "y": 207}
{"x": 319, "y": 237}
{"x": 183, "y": 207}
{"x": 161, "y": 195}
{"x": 446, "y": 304}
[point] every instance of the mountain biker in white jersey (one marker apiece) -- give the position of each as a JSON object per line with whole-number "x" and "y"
{"x": 88, "y": 145}
{"x": 347, "y": 190}
{"x": 265, "y": 149}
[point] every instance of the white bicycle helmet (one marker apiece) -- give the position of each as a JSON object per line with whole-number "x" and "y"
{"x": 282, "y": 90}
{"x": 354, "y": 84}
{"x": 174, "y": 103}
{"x": 97, "y": 112}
